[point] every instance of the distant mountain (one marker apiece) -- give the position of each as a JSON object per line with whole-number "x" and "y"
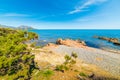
{"x": 6, "y": 26}
{"x": 23, "y": 27}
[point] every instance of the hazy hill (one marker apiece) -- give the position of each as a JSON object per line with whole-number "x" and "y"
{"x": 5, "y": 26}
{"x": 23, "y": 27}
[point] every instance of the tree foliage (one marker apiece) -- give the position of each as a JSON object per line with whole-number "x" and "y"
{"x": 16, "y": 62}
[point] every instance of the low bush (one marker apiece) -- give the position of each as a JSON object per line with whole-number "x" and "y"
{"x": 69, "y": 62}
{"x": 82, "y": 74}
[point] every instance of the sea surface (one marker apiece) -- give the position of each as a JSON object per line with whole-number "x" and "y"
{"x": 46, "y": 36}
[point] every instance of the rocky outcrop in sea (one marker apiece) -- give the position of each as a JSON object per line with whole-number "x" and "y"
{"x": 115, "y": 41}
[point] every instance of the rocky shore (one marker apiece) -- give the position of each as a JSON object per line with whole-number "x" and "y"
{"x": 108, "y": 61}
{"x": 68, "y": 42}
{"x": 115, "y": 41}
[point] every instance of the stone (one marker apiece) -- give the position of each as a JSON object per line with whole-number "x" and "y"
{"x": 91, "y": 75}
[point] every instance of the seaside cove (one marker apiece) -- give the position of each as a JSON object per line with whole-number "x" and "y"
{"x": 59, "y": 39}
{"x": 47, "y": 36}
{"x": 25, "y": 56}
{"x": 87, "y": 56}
{"x": 89, "y": 48}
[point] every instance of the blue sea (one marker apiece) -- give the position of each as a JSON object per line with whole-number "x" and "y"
{"x": 46, "y": 36}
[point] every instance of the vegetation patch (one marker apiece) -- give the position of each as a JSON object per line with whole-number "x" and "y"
{"x": 16, "y": 61}
{"x": 42, "y": 74}
{"x": 69, "y": 62}
{"x": 83, "y": 74}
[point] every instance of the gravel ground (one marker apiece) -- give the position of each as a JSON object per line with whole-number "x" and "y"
{"x": 106, "y": 60}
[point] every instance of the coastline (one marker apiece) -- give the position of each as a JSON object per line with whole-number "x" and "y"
{"x": 100, "y": 62}
{"x": 111, "y": 50}
{"x": 106, "y": 60}
{"x": 50, "y": 35}
{"x": 116, "y": 51}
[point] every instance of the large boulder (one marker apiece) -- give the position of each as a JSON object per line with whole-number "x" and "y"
{"x": 59, "y": 41}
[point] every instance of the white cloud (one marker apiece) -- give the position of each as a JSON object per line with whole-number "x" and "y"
{"x": 85, "y": 5}
{"x": 14, "y": 15}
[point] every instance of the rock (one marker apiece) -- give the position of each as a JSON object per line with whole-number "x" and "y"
{"x": 82, "y": 78}
{"x": 59, "y": 41}
{"x": 117, "y": 43}
{"x": 91, "y": 75}
{"x": 112, "y": 40}
{"x": 83, "y": 43}
{"x": 67, "y": 42}
{"x": 79, "y": 77}
{"x": 62, "y": 71}
{"x": 71, "y": 43}
{"x": 51, "y": 45}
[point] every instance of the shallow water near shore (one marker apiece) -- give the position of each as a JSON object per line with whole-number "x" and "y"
{"x": 46, "y": 36}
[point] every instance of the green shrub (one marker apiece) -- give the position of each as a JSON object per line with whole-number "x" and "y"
{"x": 33, "y": 44}
{"x": 76, "y": 70}
{"x": 67, "y": 57}
{"x": 61, "y": 68}
{"x": 38, "y": 47}
{"x": 74, "y": 55}
{"x": 69, "y": 62}
{"x": 72, "y": 62}
{"x": 82, "y": 74}
{"x": 42, "y": 74}
{"x": 48, "y": 73}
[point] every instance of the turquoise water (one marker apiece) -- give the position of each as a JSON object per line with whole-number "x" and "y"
{"x": 46, "y": 36}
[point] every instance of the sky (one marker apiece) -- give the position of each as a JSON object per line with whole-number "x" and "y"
{"x": 61, "y": 14}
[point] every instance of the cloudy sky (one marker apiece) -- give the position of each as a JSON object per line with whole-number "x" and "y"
{"x": 61, "y": 14}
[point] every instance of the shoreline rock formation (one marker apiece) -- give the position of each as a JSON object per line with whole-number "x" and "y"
{"x": 71, "y": 43}
{"x": 115, "y": 41}
{"x": 68, "y": 42}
